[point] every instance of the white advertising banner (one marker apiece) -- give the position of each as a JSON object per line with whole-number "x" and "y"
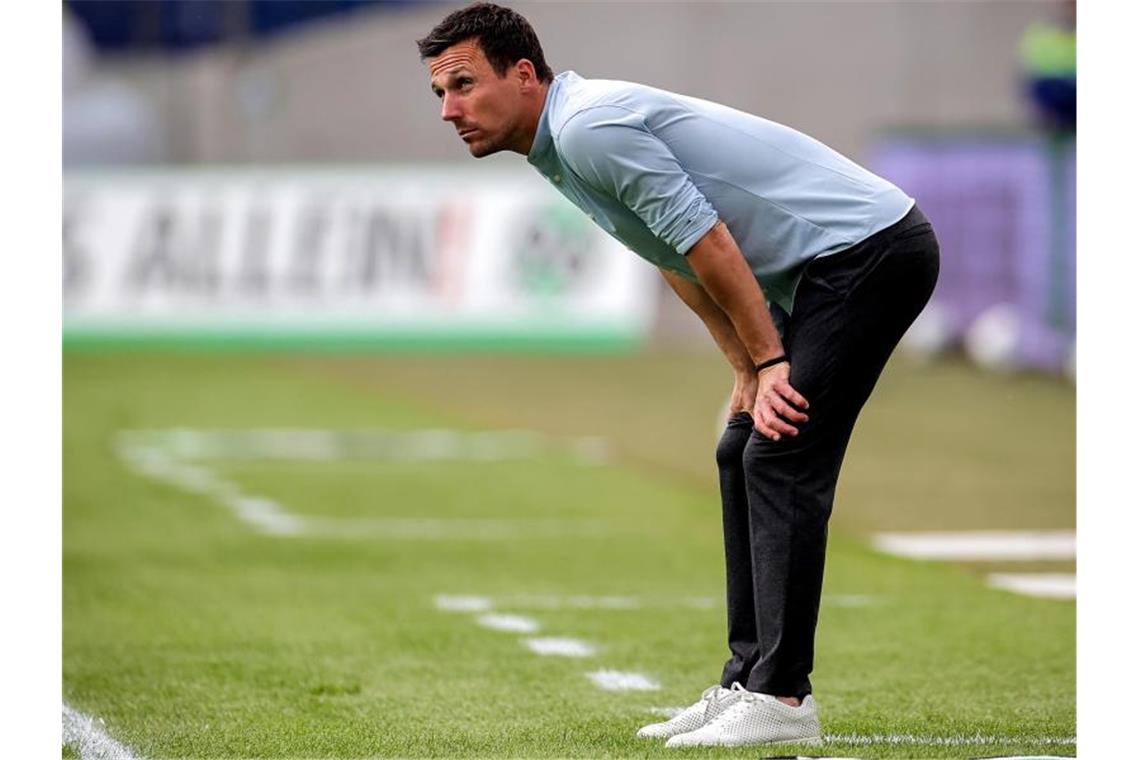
{"x": 369, "y": 256}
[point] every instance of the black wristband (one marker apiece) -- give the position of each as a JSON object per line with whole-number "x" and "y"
{"x": 770, "y": 363}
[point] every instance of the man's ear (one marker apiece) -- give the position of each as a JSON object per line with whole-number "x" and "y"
{"x": 524, "y": 69}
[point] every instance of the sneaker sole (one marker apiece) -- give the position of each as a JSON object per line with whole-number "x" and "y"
{"x": 665, "y": 736}
{"x": 813, "y": 741}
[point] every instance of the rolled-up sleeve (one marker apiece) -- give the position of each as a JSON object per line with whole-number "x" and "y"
{"x": 611, "y": 149}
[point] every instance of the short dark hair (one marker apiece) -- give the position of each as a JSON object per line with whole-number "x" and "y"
{"x": 505, "y": 36}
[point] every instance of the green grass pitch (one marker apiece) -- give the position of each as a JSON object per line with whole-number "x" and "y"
{"x": 191, "y": 634}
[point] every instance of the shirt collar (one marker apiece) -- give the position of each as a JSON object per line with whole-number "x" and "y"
{"x": 542, "y": 149}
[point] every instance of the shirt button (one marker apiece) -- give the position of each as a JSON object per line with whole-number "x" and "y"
{"x": 557, "y": 178}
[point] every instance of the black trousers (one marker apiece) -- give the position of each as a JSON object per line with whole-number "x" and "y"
{"x": 851, "y": 309}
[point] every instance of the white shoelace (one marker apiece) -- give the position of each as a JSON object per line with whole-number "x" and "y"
{"x": 712, "y": 694}
{"x": 747, "y": 698}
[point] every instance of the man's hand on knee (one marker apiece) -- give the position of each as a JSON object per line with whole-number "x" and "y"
{"x": 775, "y": 413}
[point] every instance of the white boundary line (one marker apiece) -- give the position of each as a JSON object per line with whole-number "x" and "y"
{"x": 462, "y": 603}
{"x": 508, "y": 623}
{"x": 265, "y": 515}
{"x": 484, "y": 614}
{"x": 557, "y": 646}
{"x": 168, "y": 456}
{"x": 987, "y": 545}
{"x": 310, "y": 444}
{"x": 88, "y": 737}
{"x": 1044, "y": 585}
{"x": 620, "y": 680}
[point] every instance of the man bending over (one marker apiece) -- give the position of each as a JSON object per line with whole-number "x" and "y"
{"x": 805, "y": 267}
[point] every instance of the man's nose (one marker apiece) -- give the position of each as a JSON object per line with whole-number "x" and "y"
{"x": 450, "y": 110}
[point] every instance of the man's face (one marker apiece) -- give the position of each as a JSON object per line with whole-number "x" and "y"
{"x": 486, "y": 109}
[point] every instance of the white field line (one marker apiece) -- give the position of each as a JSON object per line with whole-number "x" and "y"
{"x": 560, "y": 647}
{"x": 617, "y": 680}
{"x": 90, "y": 740}
{"x": 460, "y": 603}
{"x": 948, "y": 741}
{"x": 509, "y": 623}
{"x": 996, "y": 545}
{"x": 167, "y": 457}
{"x": 265, "y": 515}
{"x": 384, "y": 445}
{"x": 1045, "y": 585}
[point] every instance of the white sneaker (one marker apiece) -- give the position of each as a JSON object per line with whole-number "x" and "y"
{"x": 756, "y": 719}
{"x": 714, "y": 701}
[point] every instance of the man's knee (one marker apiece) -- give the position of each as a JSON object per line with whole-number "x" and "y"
{"x": 730, "y": 449}
{"x": 795, "y": 472}
{"x": 759, "y": 449}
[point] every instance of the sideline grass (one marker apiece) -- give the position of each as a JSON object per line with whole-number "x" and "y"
{"x": 193, "y": 636}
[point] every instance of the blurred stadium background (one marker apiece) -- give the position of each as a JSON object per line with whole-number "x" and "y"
{"x": 279, "y": 263}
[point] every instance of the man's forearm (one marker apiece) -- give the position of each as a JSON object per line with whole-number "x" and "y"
{"x": 716, "y": 321}
{"x": 728, "y": 280}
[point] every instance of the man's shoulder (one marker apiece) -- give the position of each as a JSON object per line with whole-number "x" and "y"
{"x": 582, "y": 101}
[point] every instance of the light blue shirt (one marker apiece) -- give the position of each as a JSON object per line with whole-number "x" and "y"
{"x": 656, "y": 170}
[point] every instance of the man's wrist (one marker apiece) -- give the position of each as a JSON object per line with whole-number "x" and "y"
{"x": 772, "y": 362}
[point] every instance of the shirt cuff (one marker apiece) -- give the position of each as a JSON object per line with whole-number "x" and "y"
{"x": 694, "y": 230}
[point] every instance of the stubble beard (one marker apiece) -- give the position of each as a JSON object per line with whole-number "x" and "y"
{"x": 484, "y": 147}
{"x": 489, "y": 144}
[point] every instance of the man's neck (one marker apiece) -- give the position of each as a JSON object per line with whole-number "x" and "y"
{"x": 531, "y": 121}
